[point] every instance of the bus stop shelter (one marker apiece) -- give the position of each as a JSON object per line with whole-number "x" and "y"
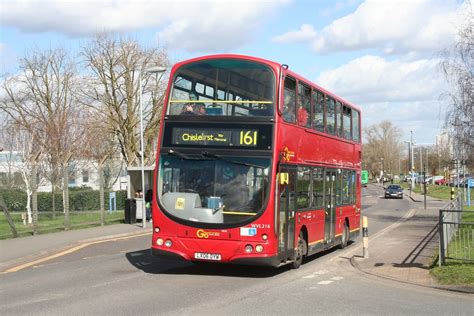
{"x": 134, "y": 202}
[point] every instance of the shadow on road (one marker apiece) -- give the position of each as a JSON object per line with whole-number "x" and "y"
{"x": 144, "y": 261}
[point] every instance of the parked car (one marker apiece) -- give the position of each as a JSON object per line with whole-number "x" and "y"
{"x": 394, "y": 190}
{"x": 440, "y": 181}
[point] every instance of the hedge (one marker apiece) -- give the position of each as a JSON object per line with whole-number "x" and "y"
{"x": 79, "y": 200}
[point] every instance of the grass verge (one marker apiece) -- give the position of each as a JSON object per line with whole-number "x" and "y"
{"x": 456, "y": 272}
{"x": 436, "y": 191}
{"x": 47, "y": 224}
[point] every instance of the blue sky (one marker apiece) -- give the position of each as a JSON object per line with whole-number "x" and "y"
{"x": 381, "y": 55}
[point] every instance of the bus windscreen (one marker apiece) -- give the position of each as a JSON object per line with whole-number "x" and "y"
{"x": 223, "y": 87}
{"x": 232, "y": 190}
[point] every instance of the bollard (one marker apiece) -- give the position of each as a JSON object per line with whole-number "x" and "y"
{"x": 365, "y": 236}
{"x": 452, "y": 193}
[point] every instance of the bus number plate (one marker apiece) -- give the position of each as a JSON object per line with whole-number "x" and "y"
{"x": 207, "y": 256}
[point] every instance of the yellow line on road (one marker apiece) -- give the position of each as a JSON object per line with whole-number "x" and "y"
{"x": 65, "y": 252}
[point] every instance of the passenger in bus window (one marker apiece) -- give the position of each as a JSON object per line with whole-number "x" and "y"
{"x": 188, "y": 108}
{"x": 302, "y": 116}
{"x": 201, "y": 109}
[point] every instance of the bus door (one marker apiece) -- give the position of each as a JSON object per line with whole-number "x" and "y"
{"x": 330, "y": 205}
{"x": 286, "y": 212}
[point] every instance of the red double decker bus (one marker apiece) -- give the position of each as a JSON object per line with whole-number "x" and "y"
{"x": 255, "y": 165}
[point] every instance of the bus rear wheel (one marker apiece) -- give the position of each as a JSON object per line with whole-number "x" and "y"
{"x": 300, "y": 252}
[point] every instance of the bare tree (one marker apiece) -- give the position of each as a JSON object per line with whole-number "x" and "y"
{"x": 382, "y": 148}
{"x": 42, "y": 102}
{"x": 113, "y": 91}
{"x": 458, "y": 67}
{"x": 21, "y": 149}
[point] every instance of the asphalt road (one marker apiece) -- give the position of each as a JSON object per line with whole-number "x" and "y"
{"x": 121, "y": 277}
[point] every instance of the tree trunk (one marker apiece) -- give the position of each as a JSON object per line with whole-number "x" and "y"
{"x": 3, "y": 206}
{"x": 53, "y": 199}
{"x": 67, "y": 224}
{"x": 102, "y": 199}
{"x": 26, "y": 179}
{"x": 34, "y": 198}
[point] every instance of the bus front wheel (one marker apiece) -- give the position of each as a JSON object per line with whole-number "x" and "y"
{"x": 300, "y": 251}
{"x": 345, "y": 236}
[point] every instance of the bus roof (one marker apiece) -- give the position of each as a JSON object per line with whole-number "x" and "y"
{"x": 276, "y": 66}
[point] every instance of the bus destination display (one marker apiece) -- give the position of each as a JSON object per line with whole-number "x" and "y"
{"x": 214, "y": 137}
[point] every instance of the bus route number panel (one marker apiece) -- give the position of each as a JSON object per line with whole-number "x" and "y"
{"x": 252, "y": 137}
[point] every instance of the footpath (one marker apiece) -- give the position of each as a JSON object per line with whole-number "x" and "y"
{"x": 404, "y": 251}
{"x": 18, "y": 251}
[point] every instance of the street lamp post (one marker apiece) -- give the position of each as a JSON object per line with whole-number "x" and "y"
{"x": 157, "y": 69}
{"x": 382, "y": 171}
{"x": 412, "y": 164}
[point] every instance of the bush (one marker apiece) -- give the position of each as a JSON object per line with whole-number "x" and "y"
{"x": 83, "y": 199}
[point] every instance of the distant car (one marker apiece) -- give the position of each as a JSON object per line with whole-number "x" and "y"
{"x": 394, "y": 190}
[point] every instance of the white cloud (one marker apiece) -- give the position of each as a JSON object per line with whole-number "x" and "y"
{"x": 374, "y": 79}
{"x": 404, "y": 92}
{"x": 393, "y": 27}
{"x": 193, "y": 25}
{"x": 305, "y": 33}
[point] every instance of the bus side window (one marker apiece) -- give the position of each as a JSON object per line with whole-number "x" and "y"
{"x": 289, "y": 106}
{"x": 339, "y": 118}
{"x": 355, "y": 126}
{"x": 304, "y": 105}
{"x": 318, "y": 111}
{"x": 303, "y": 189}
{"x": 331, "y": 116}
{"x": 346, "y": 121}
{"x": 318, "y": 187}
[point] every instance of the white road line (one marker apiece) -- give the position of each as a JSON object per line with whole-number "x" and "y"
{"x": 325, "y": 282}
{"x": 337, "y": 278}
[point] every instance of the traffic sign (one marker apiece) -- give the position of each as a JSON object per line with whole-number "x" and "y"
{"x": 470, "y": 183}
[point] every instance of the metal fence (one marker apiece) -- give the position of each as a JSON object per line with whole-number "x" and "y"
{"x": 456, "y": 232}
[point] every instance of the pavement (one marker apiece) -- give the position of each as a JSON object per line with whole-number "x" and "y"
{"x": 402, "y": 252}
{"x": 19, "y": 251}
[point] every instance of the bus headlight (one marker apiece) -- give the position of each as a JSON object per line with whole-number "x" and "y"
{"x": 157, "y": 229}
{"x": 168, "y": 243}
{"x": 264, "y": 236}
{"x": 258, "y": 248}
{"x": 159, "y": 242}
{"x": 248, "y": 248}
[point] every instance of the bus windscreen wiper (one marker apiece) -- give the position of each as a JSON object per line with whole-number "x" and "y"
{"x": 182, "y": 156}
{"x": 210, "y": 155}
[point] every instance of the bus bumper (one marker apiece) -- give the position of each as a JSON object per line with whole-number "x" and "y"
{"x": 272, "y": 261}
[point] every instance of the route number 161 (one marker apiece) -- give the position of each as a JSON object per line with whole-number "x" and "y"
{"x": 248, "y": 138}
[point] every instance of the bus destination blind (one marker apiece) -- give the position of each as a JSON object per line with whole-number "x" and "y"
{"x": 198, "y": 136}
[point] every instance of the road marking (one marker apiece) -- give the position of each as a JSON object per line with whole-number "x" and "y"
{"x": 337, "y": 278}
{"x": 325, "y": 282}
{"x": 66, "y": 252}
{"x": 316, "y": 273}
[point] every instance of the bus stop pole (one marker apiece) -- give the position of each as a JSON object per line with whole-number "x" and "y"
{"x": 365, "y": 236}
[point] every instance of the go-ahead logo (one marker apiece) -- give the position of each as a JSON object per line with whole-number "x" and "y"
{"x": 201, "y": 233}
